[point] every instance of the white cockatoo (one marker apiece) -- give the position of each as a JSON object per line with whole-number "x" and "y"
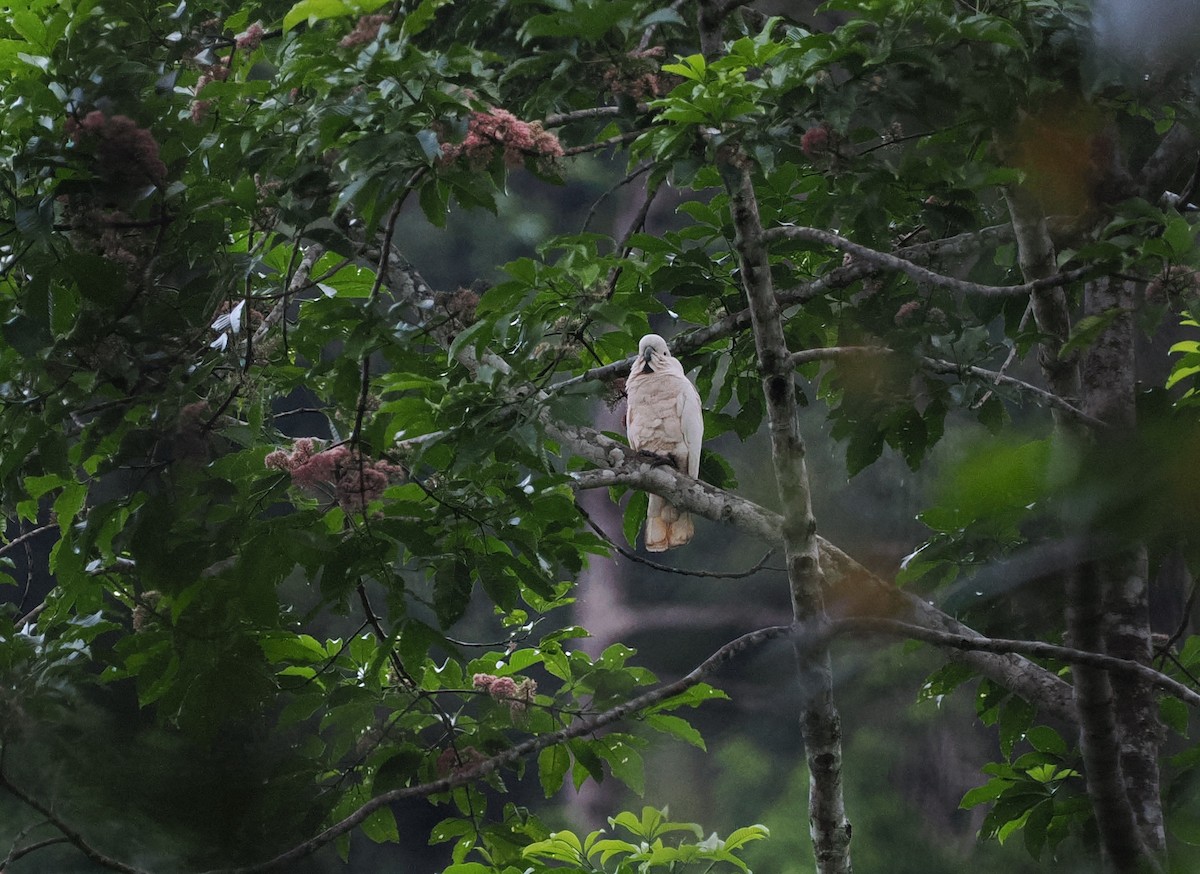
{"x": 664, "y": 417}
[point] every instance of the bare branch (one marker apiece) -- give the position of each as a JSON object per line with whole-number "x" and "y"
{"x": 1036, "y": 648}
{"x": 820, "y": 722}
{"x": 70, "y": 834}
{"x": 999, "y": 378}
{"x": 617, "y": 140}
{"x": 921, "y": 274}
{"x": 1180, "y": 144}
{"x": 27, "y": 536}
{"x": 20, "y": 852}
{"x": 559, "y": 119}
{"x": 299, "y": 281}
{"x": 666, "y": 568}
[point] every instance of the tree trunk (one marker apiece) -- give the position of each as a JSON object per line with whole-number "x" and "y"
{"x": 820, "y": 723}
{"x": 1121, "y": 580}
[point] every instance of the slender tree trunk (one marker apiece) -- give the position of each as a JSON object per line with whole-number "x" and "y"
{"x": 1035, "y": 254}
{"x": 1107, "y": 598}
{"x": 1122, "y": 579}
{"x": 820, "y": 723}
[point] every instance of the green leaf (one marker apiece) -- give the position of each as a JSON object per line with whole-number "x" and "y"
{"x": 450, "y": 829}
{"x": 553, "y": 763}
{"x": 1046, "y": 740}
{"x": 984, "y": 794}
{"x": 624, "y": 761}
{"x": 1016, "y": 715}
{"x": 1174, "y": 714}
{"x": 421, "y": 17}
{"x": 676, "y": 727}
{"x": 381, "y": 826}
{"x": 451, "y": 592}
{"x": 313, "y": 11}
{"x": 635, "y": 517}
{"x": 1087, "y": 330}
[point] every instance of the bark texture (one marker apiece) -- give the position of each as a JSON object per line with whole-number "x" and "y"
{"x": 1120, "y": 581}
{"x": 1118, "y": 722}
{"x": 819, "y": 721}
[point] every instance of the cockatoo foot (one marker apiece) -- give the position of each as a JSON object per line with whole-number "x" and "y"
{"x": 656, "y": 459}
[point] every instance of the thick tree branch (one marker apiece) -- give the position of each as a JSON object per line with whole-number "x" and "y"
{"x": 1036, "y": 648}
{"x": 1036, "y": 255}
{"x": 1178, "y": 148}
{"x": 1120, "y": 582}
{"x": 852, "y": 590}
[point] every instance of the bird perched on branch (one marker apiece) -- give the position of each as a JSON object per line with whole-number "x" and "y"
{"x": 664, "y": 418}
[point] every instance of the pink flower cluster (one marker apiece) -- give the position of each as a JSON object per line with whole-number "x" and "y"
{"x": 125, "y": 153}
{"x": 251, "y": 38}
{"x": 499, "y": 129}
{"x": 365, "y": 31}
{"x": 518, "y": 695}
{"x": 816, "y": 140}
{"x": 355, "y": 480}
{"x": 638, "y": 76}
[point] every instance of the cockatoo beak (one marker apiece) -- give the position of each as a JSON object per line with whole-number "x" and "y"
{"x": 648, "y": 358}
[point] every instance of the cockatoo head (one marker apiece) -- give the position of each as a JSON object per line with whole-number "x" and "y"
{"x": 653, "y": 351}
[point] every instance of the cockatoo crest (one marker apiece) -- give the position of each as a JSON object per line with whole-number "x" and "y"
{"x": 664, "y": 417}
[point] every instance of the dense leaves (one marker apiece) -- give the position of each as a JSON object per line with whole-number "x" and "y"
{"x": 283, "y": 486}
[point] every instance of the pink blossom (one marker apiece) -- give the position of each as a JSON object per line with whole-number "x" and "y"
{"x": 503, "y": 687}
{"x": 816, "y": 140}
{"x": 908, "y": 312}
{"x": 125, "y": 153}
{"x": 365, "y": 31}
{"x": 252, "y": 37}
{"x": 354, "y": 480}
{"x": 499, "y": 129}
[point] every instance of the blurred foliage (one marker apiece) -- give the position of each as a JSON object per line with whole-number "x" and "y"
{"x": 302, "y": 543}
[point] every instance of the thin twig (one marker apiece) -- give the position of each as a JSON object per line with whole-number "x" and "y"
{"x": 917, "y": 272}
{"x": 20, "y": 852}
{"x": 385, "y": 252}
{"x": 1187, "y": 618}
{"x": 68, "y": 832}
{"x": 632, "y": 175}
{"x": 1012, "y": 356}
{"x": 648, "y": 33}
{"x": 559, "y": 119}
{"x": 937, "y": 365}
{"x": 760, "y": 565}
{"x": 617, "y": 140}
{"x": 28, "y": 535}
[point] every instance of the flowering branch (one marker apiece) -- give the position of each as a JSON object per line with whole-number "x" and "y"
{"x": 578, "y": 728}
